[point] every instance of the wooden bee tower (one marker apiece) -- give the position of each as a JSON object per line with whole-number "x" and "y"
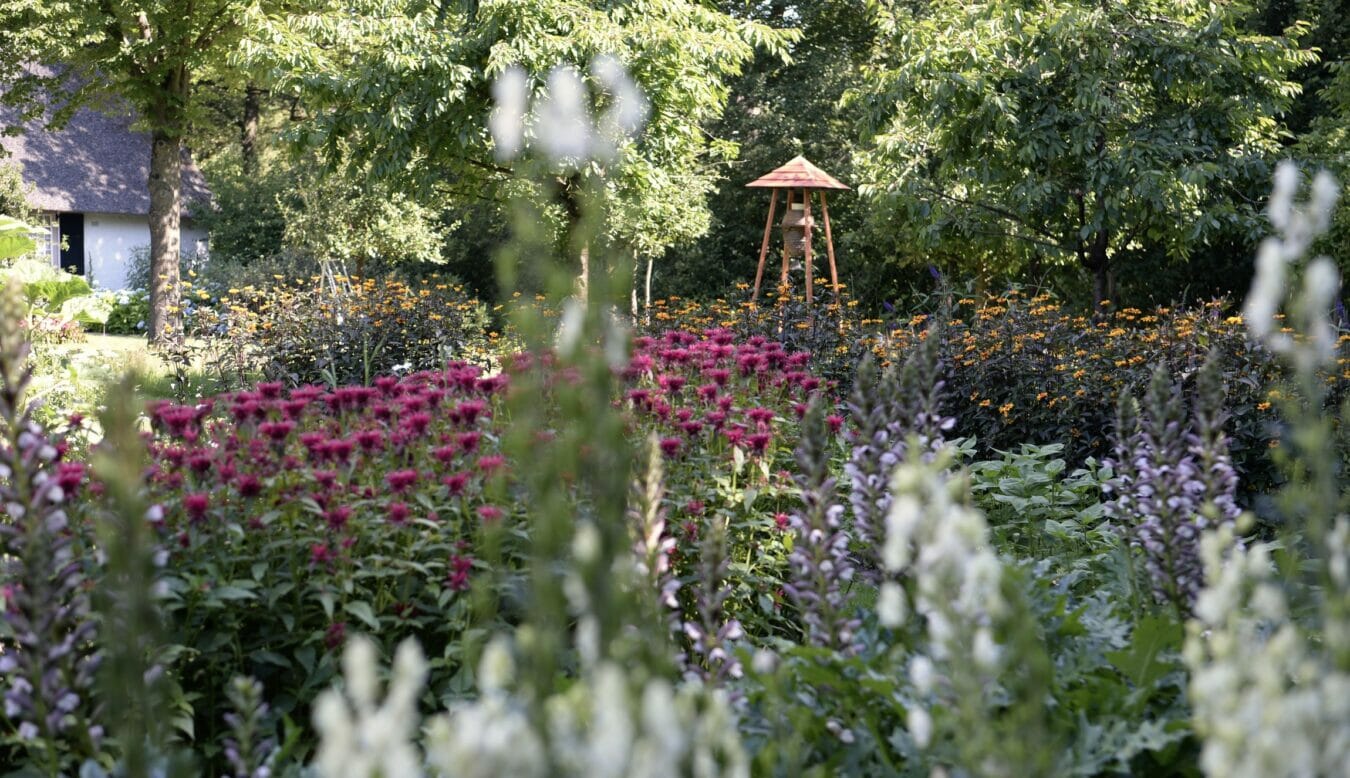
{"x": 800, "y": 178}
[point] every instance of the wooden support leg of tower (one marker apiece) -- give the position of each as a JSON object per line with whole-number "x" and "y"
{"x": 810, "y": 271}
{"x": 829, "y": 245}
{"x": 783, "y": 278}
{"x": 764, "y": 247}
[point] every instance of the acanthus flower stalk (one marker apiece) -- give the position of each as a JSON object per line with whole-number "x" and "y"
{"x": 820, "y": 568}
{"x": 1173, "y": 480}
{"x": 889, "y": 408}
{"x": 49, "y": 670}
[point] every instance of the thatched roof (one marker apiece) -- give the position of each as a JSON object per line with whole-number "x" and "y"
{"x": 95, "y": 164}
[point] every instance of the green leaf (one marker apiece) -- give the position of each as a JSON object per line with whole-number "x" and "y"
{"x": 271, "y": 658}
{"x": 233, "y": 593}
{"x": 15, "y": 238}
{"x": 1142, "y": 662}
{"x": 362, "y": 610}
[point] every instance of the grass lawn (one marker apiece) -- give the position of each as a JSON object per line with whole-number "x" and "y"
{"x": 134, "y": 344}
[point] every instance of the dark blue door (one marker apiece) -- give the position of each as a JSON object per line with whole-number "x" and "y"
{"x": 72, "y": 253}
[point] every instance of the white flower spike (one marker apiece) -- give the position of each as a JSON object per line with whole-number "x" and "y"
{"x": 511, "y": 92}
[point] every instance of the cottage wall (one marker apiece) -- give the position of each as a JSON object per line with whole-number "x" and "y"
{"x": 110, "y": 241}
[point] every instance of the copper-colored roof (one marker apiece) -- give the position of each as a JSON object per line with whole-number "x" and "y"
{"x": 797, "y": 174}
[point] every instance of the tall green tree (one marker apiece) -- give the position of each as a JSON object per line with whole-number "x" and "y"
{"x": 1025, "y": 132}
{"x": 151, "y": 56}
{"x": 409, "y": 100}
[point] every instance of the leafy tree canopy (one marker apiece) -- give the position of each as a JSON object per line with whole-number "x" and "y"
{"x": 404, "y": 90}
{"x": 1054, "y": 131}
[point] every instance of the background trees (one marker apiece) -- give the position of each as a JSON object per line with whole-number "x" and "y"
{"x": 1055, "y": 141}
{"x": 777, "y": 109}
{"x": 407, "y": 101}
{"x": 1055, "y": 131}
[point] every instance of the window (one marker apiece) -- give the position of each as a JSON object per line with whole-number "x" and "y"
{"x": 48, "y": 238}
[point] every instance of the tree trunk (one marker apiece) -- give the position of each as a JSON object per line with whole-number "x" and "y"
{"x": 647, "y": 296}
{"x": 166, "y": 200}
{"x": 569, "y": 196}
{"x": 248, "y": 129}
{"x": 584, "y": 278}
{"x": 1100, "y": 264}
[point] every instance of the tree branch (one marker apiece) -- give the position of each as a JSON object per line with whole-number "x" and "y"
{"x": 997, "y": 211}
{"x": 1024, "y": 238}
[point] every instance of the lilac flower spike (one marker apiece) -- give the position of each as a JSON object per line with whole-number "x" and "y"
{"x": 820, "y": 566}
{"x": 48, "y": 671}
{"x": 1173, "y": 480}
{"x": 889, "y": 409}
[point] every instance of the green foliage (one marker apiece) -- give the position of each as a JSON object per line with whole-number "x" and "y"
{"x": 366, "y": 226}
{"x": 15, "y": 238}
{"x": 60, "y": 301}
{"x": 89, "y": 309}
{"x": 14, "y": 192}
{"x": 336, "y": 330}
{"x": 246, "y": 220}
{"x": 1327, "y": 145}
{"x": 407, "y": 97}
{"x": 46, "y": 286}
{"x": 1058, "y": 132}
{"x": 1031, "y": 497}
{"x": 292, "y": 206}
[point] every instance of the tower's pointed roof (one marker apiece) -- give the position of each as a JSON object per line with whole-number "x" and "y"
{"x": 797, "y": 174}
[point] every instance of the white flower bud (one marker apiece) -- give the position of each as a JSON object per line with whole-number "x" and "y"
{"x": 570, "y": 326}
{"x": 985, "y": 651}
{"x": 496, "y": 669}
{"x": 1325, "y": 193}
{"x": 1320, "y": 286}
{"x": 922, "y": 674}
{"x": 891, "y": 607}
{"x": 358, "y": 667}
{"x": 764, "y": 661}
{"x": 920, "y": 726}
{"x": 628, "y": 111}
{"x": 510, "y": 91}
{"x": 1282, "y": 196}
{"x": 563, "y": 125}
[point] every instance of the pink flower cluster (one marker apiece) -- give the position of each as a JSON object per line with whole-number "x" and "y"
{"x": 709, "y": 392}
{"x": 348, "y": 462}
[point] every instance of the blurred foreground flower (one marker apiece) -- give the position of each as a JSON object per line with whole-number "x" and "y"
{"x": 1270, "y": 699}
{"x": 606, "y": 725}
{"x": 1298, "y": 225}
{"x": 561, "y": 126}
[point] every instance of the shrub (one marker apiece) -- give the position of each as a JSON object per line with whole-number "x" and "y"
{"x": 1023, "y": 370}
{"x": 130, "y": 311}
{"x": 340, "y": 330}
